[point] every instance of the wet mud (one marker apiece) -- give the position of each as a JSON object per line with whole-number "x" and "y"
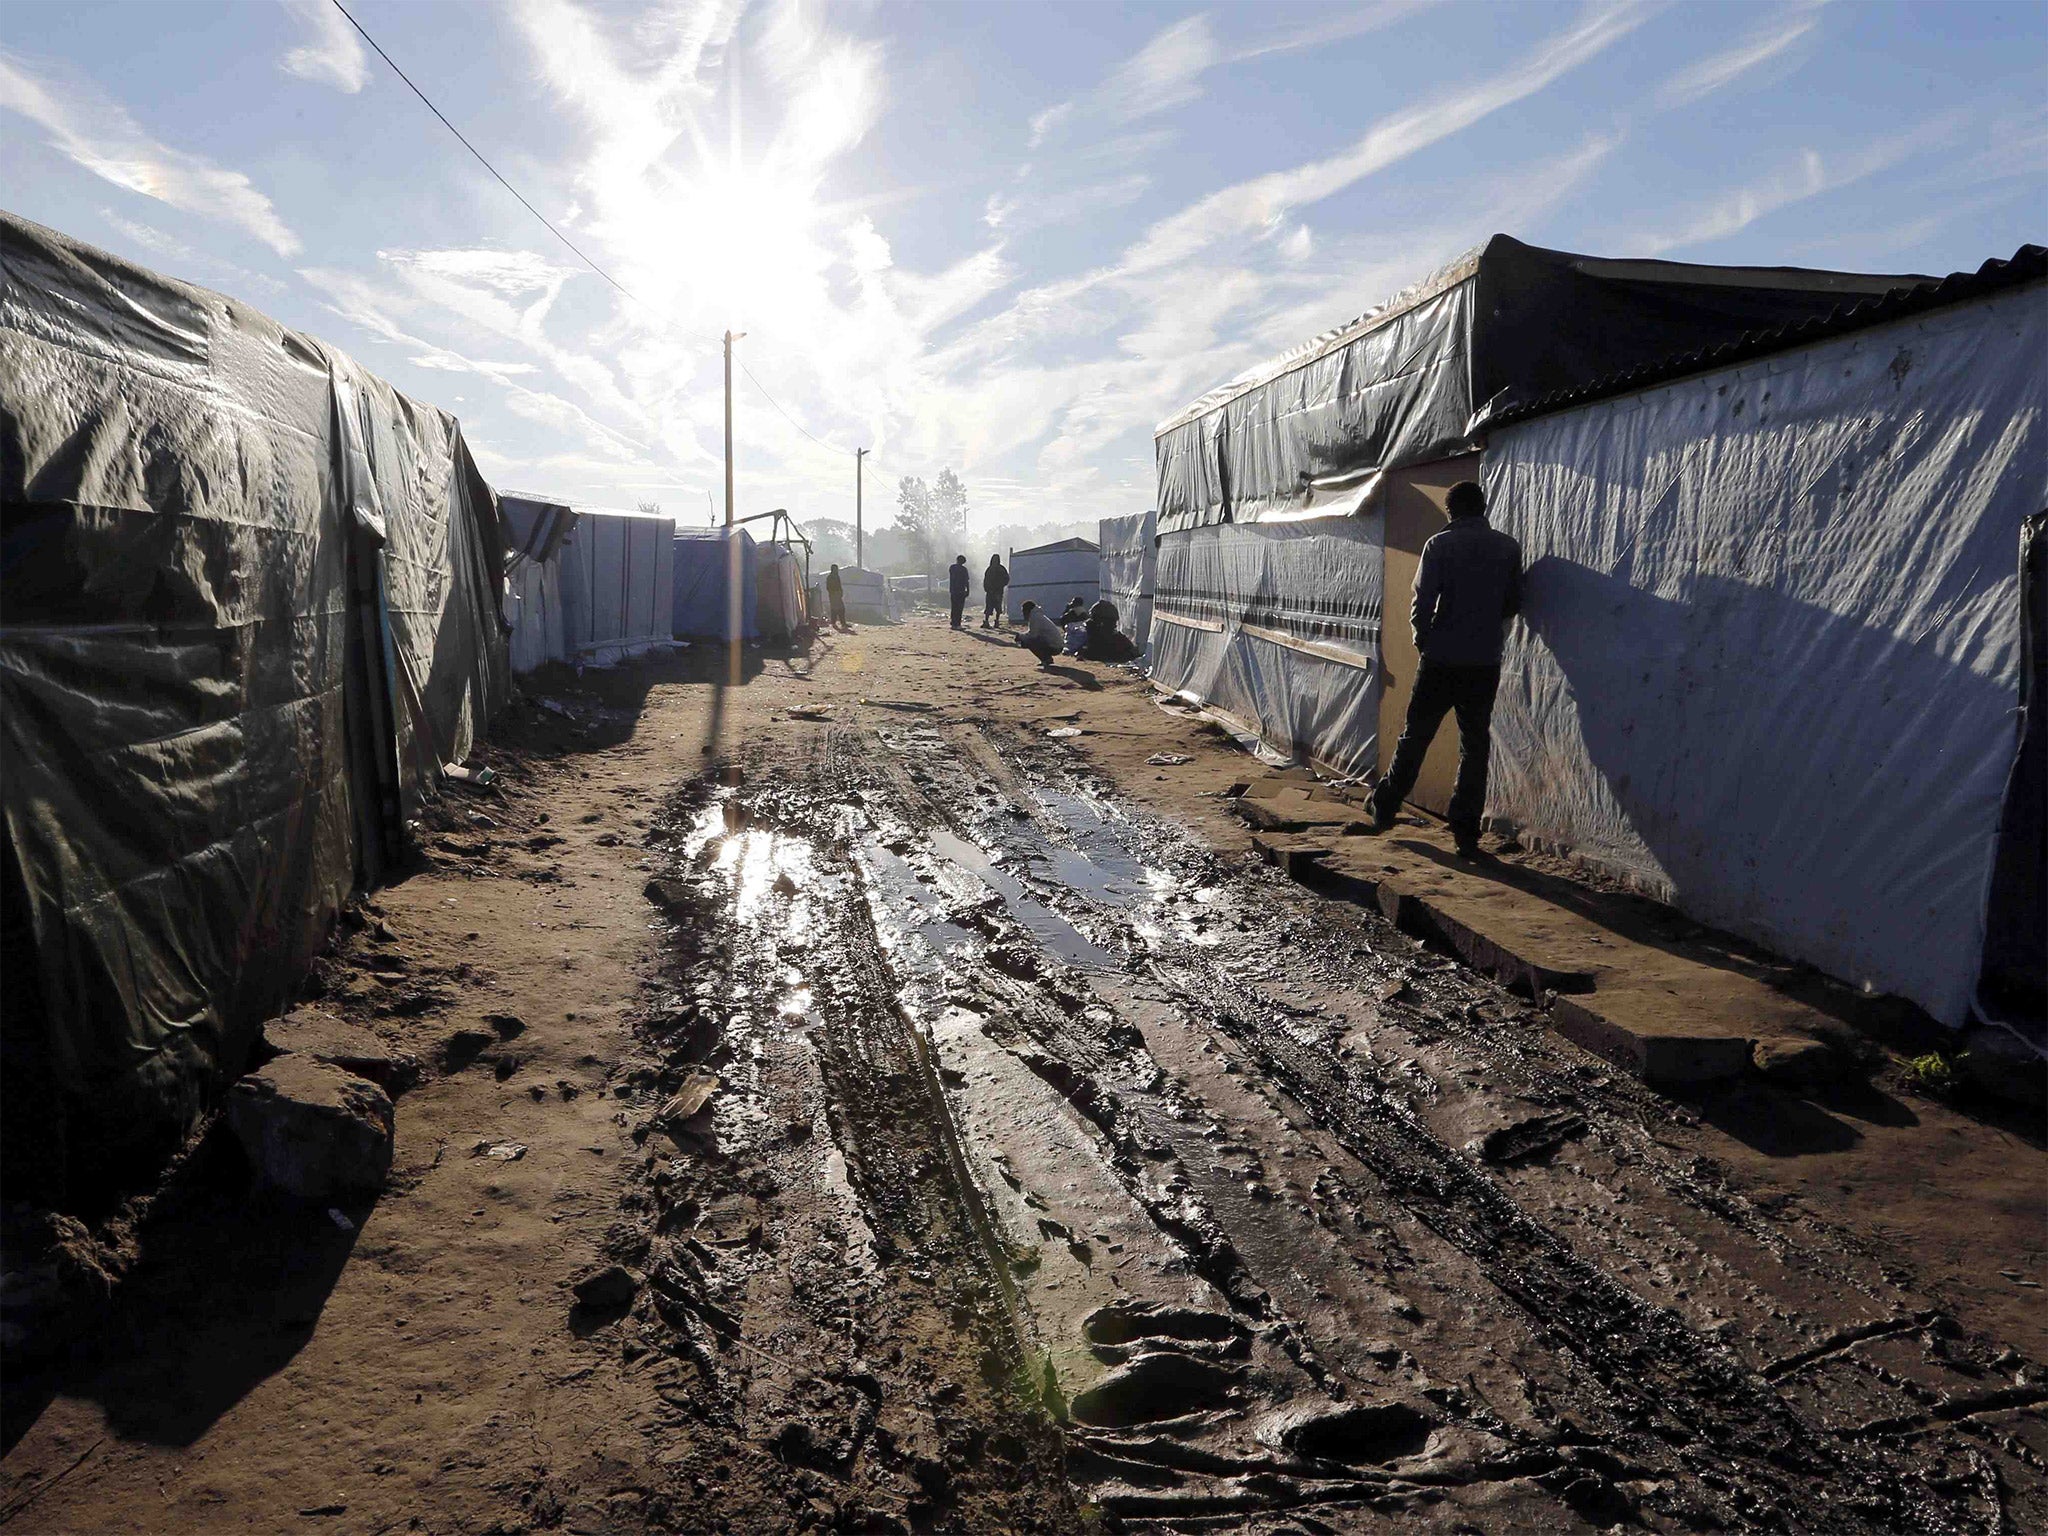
{"x": 1011, "y": 1162}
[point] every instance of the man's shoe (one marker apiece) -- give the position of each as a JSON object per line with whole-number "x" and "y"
{"x": 1376, "y": 819}
{"x": 1467, "y": 844}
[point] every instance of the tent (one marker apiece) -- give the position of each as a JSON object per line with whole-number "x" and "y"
{"x": 706, "y": 563}
{"x": 1127, "y": 562}
{"x": 248, "y": 610}
{"x": 610, "y": 597}
{"x": 1052, "y": 573}
{"x": 1790, "y": 506}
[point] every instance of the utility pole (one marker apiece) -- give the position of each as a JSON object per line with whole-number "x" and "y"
{"x": 730, "y": 338}
{"x": 859, "y": 562}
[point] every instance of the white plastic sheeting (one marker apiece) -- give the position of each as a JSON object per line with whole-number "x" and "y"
{"x": 870, "y": 598}
{"x": 618, "y": 586}
{"x": 1051, "y": 574}
{"x": 1276, "y": 626}
{"x": 1127, "y": 562}
{"x": 1769, "y": 662}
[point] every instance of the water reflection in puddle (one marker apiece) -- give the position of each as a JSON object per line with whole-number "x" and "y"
{"x": 1045, "y": 925}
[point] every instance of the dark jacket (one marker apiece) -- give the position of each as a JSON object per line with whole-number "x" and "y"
{"x": 1469, "y": 586}
{"x": 957, "y": 579}
{"x": 995, "y": 578}
{"x": 833, "y": 588}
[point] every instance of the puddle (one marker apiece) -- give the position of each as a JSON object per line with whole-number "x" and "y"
{"x": 1044, "y": 924}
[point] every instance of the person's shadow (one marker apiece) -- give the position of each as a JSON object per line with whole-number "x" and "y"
{"x": 1077, "y": 677}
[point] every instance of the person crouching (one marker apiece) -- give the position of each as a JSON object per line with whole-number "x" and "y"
{"x": 1041, "y": 636}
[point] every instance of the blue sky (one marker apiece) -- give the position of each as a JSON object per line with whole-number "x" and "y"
{"x": 1008, "y": 239}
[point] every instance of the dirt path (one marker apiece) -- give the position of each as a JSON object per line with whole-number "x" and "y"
{"x": 1003, "y": 1149}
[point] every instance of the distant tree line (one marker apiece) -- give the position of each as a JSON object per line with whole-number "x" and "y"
{"x": 932, "y": 517}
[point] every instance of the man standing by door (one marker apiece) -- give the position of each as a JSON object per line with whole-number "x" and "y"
{"x": 959, "y": 580}
{"x": 1468, "y": 587}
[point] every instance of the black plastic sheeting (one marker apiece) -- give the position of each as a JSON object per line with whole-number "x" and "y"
{"x": 2015, "y": 978}
{"x": 248, "y": 608}
{"x": 1423, "y": 376}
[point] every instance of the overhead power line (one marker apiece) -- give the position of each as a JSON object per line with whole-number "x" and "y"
{"x": 480, "y": 160}
{"x": 547, "y": 223}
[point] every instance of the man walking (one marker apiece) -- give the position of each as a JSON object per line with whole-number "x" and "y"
{"x": 959, "y": 580}
{"x": 994, "y": 581}
{"x": 835, "y": 594}
{"x": 1468, "y": 587}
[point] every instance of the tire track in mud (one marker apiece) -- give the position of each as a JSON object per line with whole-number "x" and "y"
{"x": 1661, "y": 1372}
{"x": 1643, "y": 1417}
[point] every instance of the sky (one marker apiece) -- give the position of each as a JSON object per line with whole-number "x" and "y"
{"x": 1008, "y": 239}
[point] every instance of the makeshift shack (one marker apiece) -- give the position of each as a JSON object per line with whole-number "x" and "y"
{"x": 610, "y": 597}
{"x": 780, "y": 610}
{"x": 1770, "y": 664}
{"x": 1050, "y": 574}
{"x": 1769, "y": 667}
{"x": 248, "y": 610}
{"x": 1127, "y": 564}
{"x": 869, "y": 597}
{"x": 717, "y": 587}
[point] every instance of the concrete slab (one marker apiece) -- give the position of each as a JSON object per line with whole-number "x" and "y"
{"x": 1627, "y": 978}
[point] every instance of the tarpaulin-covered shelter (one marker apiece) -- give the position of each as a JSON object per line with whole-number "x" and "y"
{"x": 869, "y": 597}
{"x": 1126, "y": 563}
{"x": 248, "y": 609}
{"x": 610, "y": 596}
{"x": 1374, "y": 421}
{"x": 1049, "y": 574}
{"x": 716, "y": 587}
{"x": 780, "y": 610}
{"x": 1753, "y": 499}
{"x": 1770, "y": 663}
{"x": 533, "y": 588}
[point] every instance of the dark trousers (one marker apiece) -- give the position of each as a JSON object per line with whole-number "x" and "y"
{"x": 1438, "y": 691}
{"x": 1041, "y": 649}
{"x": 839, "y": 611}
{"x": 992, "y": 607}
{"x": 959, "y": 607}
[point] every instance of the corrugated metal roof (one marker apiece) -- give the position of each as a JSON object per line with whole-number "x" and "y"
{"x": 2026, "y": 265}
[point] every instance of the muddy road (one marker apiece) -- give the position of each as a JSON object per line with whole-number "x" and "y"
{"x": 1271, "y": 1218}
{"x": 990, "y": 1142}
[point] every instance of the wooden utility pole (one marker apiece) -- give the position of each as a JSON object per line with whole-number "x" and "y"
{"x": 859, "y": 562}
{"x": 730, "y": 338}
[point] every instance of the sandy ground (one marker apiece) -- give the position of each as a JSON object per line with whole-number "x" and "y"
{"x": 1061, "y": 1168}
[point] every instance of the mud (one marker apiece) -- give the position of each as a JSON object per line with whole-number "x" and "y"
{"x": 957, "y": 1128}
{"x": 1201, "y": 1172}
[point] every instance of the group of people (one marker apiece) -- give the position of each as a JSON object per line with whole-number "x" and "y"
{"x": 1089, "y": 631}
{"x": 1467, "y": 587}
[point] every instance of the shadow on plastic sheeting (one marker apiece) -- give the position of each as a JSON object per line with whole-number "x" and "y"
{"x": 1779, "y": 762}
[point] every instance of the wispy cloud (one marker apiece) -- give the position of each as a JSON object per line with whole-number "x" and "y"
{"x": 1167, "y": 72}
{"x": 1262, "y": 204}
{"x": 80, "y": 123}
{"x": 1717, "y": 71}
{"x": 332, "y": 54}
{"x": 1808, "y": 175}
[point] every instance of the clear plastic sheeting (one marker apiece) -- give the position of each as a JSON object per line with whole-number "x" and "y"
{"x": 1276, "y": 627}
{"x": 1127, "y": 562}
{"x": 1309, "y": 434}
{"x": 1050, "y": 575}
{"x": 249, "y": 610}
{"x": 1769, "y": 663}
